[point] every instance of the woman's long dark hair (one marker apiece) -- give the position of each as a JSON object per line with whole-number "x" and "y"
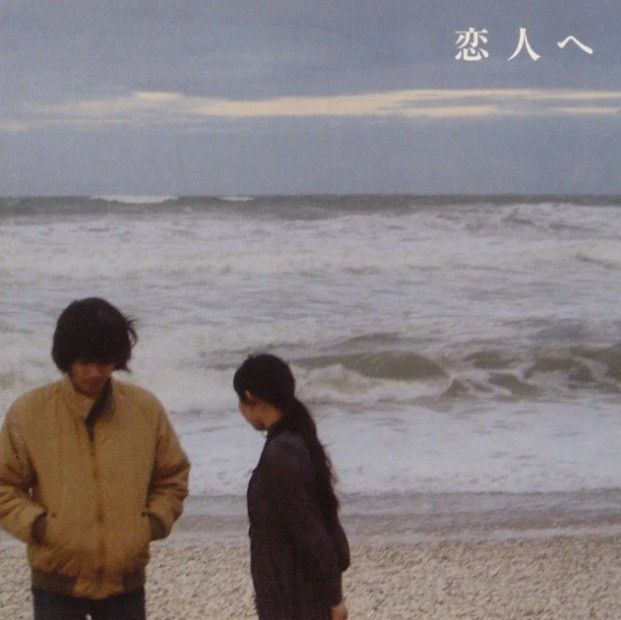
{"x": 269, "y": 378}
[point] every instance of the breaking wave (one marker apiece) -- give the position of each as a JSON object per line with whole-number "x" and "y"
{"x": 135, "y": 200}
{"x": 236, "y": 198}
{"x": 485, "y": 373}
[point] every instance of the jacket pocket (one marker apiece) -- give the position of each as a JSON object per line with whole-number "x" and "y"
{"x": 144, "y": 539}
{"x": 61, "y": 550}
{"x": 146, "y": 529}
{"x": 136, "y": 549}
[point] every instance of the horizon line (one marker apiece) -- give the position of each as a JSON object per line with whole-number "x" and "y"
{"x": 252, "y": 195}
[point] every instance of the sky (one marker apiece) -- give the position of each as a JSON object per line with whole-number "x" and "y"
{"x": 310, "y": 96}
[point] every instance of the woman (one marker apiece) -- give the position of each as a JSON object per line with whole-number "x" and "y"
{"x": 298, "y": 548}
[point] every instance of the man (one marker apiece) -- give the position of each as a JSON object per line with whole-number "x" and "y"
{"x": 90, "y": 472}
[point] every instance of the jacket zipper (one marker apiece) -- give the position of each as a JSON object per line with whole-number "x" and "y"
{"x": 99, "y": 513}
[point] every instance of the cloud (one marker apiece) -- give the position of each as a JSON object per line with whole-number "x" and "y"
{"x": 586, "y": 110}
{"x": 10, "y": 126}
{"x": 144, "y": 107}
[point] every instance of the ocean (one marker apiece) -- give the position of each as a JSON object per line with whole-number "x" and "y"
{"x": 445, "y": 344}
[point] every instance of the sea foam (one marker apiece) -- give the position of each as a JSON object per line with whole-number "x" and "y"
{"x": 441, "y": 347}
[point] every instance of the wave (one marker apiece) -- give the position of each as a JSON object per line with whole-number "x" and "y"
{"x": 328, "y": 205}
{"x": 604, "y": 254}
{"x": 397, "y": 365}
{"x": 187, "y": 379}
{"x": 515, "y": 217}
{"x": 486, "y": 372}
{"x": 130, "y": 199}
{"x": 236, "y": 198}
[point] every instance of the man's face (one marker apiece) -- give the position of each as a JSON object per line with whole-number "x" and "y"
{"x": 89, "y": 378}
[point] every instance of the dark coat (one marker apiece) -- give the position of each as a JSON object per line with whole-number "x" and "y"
{"x": 296, "y": 558}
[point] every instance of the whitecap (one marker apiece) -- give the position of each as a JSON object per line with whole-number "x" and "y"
{"x": 236, "y": 198}
{"x": 130, "y": 199}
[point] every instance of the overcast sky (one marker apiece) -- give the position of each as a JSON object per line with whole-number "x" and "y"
{"x": 309, "y": 96}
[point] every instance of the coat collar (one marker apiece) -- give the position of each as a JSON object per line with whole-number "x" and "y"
{"x": 78, "y": 404}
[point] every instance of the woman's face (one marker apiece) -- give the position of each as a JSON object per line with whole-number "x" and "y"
{"x": 258, "y": 412}
{"x": 251, "y": 410}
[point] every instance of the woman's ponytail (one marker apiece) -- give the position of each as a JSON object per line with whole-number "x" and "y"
{"x": 299, "y": 420}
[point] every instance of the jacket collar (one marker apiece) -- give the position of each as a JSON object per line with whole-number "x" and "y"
{"x": 78, "y": 404}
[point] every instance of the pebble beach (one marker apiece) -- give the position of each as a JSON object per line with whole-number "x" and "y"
{"x": 204, "y": 573}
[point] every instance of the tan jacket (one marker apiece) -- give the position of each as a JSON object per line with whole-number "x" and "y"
{"x": 98, "y": 494}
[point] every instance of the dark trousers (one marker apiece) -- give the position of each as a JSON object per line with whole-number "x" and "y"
{"x": 50, "y": 606}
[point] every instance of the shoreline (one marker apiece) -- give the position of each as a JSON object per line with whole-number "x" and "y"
{"x": 420, "y": 517}
{"x": 476, "y": 556}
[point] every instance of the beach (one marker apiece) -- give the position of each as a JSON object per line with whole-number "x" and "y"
{"x": 540, "y": 562}
{"x": 556, "y": 577}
